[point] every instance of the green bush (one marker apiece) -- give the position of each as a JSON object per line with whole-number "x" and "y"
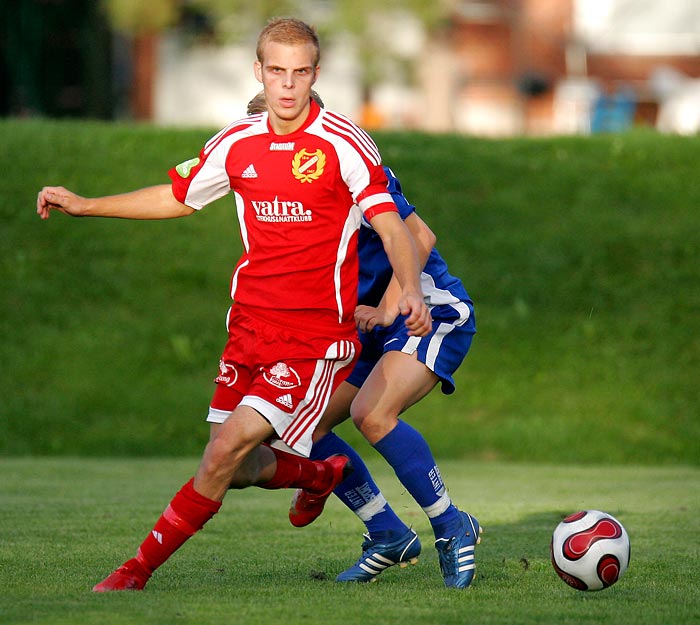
{"x": 581, "y": 255}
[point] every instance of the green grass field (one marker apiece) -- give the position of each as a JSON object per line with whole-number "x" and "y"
{"x": 580, "y": 390}
{"x": 66, "y": 523}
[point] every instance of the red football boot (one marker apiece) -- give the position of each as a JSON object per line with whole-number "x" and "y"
{"x": 307, "y": 505}
{"x": 129, "y": 576}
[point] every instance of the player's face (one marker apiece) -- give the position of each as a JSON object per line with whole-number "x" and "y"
{"x": 287, "y": 73}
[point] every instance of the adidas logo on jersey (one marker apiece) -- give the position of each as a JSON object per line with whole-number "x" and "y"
{"x": 285, "y": 400}
{"x": 249, "y": 172}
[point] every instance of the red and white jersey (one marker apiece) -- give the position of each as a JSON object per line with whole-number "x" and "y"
{"x": 299, "y": 200}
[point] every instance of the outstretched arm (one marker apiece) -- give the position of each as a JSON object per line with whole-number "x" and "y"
{"x": 149, "y": 203}
{"x": 367, "y": 317}
{"x": 402, "y": 254}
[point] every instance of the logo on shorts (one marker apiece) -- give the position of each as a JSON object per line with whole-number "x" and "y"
{"x": 308, "y": 166}
{"x": 282, "y": 376}
{"x": 227, "y": 374}
{"x": 285, "y": 400}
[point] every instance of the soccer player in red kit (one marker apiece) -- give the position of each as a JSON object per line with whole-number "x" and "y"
{"x": 302, "y": 179}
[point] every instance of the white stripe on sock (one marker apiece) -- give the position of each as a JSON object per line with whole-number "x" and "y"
{"x": 375, "y": 506}
{"x": 439, "y": 506}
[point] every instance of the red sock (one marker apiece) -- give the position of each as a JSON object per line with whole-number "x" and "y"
{"x": 297, "y": 472}
{"x": 186, "y": 514}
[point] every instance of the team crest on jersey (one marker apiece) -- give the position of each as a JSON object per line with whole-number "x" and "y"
{"x": 282, "y": 376}
{"x": 308, "y": 166}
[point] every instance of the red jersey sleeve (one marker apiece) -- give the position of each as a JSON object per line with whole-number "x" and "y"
{"x": 361, "y": 164}
{"x": 376, "y": 198}
{"x": 181, "y": 175}
{"x": 204, "y": 179}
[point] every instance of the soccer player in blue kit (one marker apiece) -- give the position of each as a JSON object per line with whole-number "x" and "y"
{"x": 396, "y": 370}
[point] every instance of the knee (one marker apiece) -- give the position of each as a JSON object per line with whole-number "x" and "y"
{"x": 360, "y": 414}
{"x": 220, "y": 462}
{"x": 372, "y": 423}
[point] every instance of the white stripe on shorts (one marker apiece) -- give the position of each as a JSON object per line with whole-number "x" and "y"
{"x": 298, "y": 433}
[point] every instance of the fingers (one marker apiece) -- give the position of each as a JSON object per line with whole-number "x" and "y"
{"x": 362, "y": 325}
{"x": 365, "y": 318}
{"x": 45, "y": 201}
{"x": 418, "y": 320}
{"x": 41, "y": 207}
{"x": 370, "y": 324}
{"x": 420, "y": 326}
{"x": 417, "y": 317}
{"x": 54, "y": 198}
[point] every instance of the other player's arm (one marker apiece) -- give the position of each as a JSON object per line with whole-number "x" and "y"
{"x": 156, "y": 202}
{"x": 367, "y": 317}
{"x": 402, "y": 254}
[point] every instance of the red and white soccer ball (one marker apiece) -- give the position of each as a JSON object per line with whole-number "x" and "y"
{"x": 590, "y": 550}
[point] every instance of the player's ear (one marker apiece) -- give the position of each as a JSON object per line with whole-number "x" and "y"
{"x": 257, "y": 70}
{"x": 317, "y": 70}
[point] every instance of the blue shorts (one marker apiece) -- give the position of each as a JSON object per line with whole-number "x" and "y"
{"x": 442, "y": 351}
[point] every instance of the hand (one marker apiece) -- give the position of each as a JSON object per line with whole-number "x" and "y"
{"x": 368, "y": 317}
{"x": 60, "y": 199}
{"x": 418, "y": 319}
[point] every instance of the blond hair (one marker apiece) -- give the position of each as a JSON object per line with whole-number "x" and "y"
{"x": 288, "y": 31}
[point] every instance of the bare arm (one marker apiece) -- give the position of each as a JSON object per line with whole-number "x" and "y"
{"x": 402, "y": 254}
{"x": 367, "y": 317}
{"x": 149, "y": 203}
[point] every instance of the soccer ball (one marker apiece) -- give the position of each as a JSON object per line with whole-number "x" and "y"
{"x": 590, "y": 550}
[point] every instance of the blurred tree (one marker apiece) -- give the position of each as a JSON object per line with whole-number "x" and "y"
{"x": 368, "y": 22}
{"x": 138, "y": 17}
{"x": 54, "y": 59}
{"x": 142, "y": 22}
{"x": 376, "y": 27}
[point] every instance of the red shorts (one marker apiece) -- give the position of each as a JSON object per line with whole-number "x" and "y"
{"x": 284, "y": 372}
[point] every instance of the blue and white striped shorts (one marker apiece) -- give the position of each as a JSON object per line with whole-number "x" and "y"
{"x": 442, "y": 351}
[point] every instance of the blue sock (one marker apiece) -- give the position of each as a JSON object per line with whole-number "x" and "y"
{"x": 359, "y": 492}
{"x": 405, "y": 449}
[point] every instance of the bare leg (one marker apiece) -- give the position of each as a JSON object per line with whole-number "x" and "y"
{"x": 396, "y": 383}
{"x": 228, "y": 449}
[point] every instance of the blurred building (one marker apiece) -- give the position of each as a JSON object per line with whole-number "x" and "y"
{"x": 498, "y": 68}
{"x": 495, "y": 68}
{"x": 562, "y": 66}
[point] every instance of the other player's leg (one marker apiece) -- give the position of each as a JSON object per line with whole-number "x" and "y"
{"x": 388, "y": 540}
{"x": 398, "y": 381}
